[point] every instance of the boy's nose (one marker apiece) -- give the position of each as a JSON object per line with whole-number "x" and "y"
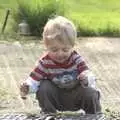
{"x": 60, "y": 53}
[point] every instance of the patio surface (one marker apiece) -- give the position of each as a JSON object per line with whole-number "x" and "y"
{"x": 17, "y": 60}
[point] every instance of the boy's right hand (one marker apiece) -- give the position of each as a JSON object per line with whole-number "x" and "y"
{"x": 24, "y": 89}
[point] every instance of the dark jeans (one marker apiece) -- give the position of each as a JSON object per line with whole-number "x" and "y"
{"x": 52, "y": 98}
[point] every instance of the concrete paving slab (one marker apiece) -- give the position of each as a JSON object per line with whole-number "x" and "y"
{"x": 18, "y": 59}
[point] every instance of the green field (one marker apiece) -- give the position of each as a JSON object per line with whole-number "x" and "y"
{"x": 92, "y": 17}
{"x": 97, "y": 16}
{"x": 4, "y": 6}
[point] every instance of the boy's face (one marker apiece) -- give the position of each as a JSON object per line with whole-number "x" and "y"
{"x": 58, "y": 51}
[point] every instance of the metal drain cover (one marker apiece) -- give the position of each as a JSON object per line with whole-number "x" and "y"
{"x": 14, "y": 116}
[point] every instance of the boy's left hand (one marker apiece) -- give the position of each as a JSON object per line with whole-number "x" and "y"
{"x": 83, "y": 79}
{"x": 84, "y": 82}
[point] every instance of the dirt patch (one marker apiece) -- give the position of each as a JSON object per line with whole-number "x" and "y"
{"x": 17, "y": 60}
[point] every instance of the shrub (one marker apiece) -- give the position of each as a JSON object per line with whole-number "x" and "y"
{"x": 106, "y": 28}
{"x": 37, "y": 12}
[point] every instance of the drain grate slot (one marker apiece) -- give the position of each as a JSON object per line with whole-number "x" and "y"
{"x": 63, "y": 117}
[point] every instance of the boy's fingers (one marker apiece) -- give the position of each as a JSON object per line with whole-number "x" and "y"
{"x": 24, "y": 97}
{"x": 24, "y": 87}
{"x": 84, "y": 82}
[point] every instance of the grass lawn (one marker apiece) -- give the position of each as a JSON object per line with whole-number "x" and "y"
{"x": 92, "y": 17}
{"x": 4, "y": 6}
{"x": 96, "y": 16}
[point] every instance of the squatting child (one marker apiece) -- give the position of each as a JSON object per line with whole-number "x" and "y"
{"x": 61, "y": 79}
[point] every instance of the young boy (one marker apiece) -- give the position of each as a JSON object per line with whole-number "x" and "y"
{"x": 61, "y": 79}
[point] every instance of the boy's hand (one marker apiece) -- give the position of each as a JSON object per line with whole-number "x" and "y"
{"x": 82, "y": 76}
{"x": 84, "y": 83}
{"x": 24, "y": 89}
{"x": 83, "y": 79}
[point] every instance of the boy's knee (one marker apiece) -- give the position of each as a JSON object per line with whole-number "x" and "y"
{"x": 45, "y": 86}
{"x": 96, "y": 94}
{"x": 92, "y": 93}
{"x": 44, "y": 89}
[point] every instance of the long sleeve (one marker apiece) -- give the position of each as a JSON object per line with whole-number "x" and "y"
{"x": 80, "y": 62}
{"x": 33, "y": 85}
{"x": 90, "y": 77}
{"x": 37, "y": 74}
{"x": 83, "y": 68}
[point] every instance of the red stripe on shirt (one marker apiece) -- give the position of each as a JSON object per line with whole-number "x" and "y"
{"x": 51, "y": 66}
{"x": 82, "y": 66}
{"x": 37, "y": 70}
{"x": 34, "y": 77}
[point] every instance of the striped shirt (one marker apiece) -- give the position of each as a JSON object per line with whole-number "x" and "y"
{"x": 62, "y": 74}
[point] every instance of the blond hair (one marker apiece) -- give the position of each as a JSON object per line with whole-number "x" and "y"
{"x": 60, "y": 28}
